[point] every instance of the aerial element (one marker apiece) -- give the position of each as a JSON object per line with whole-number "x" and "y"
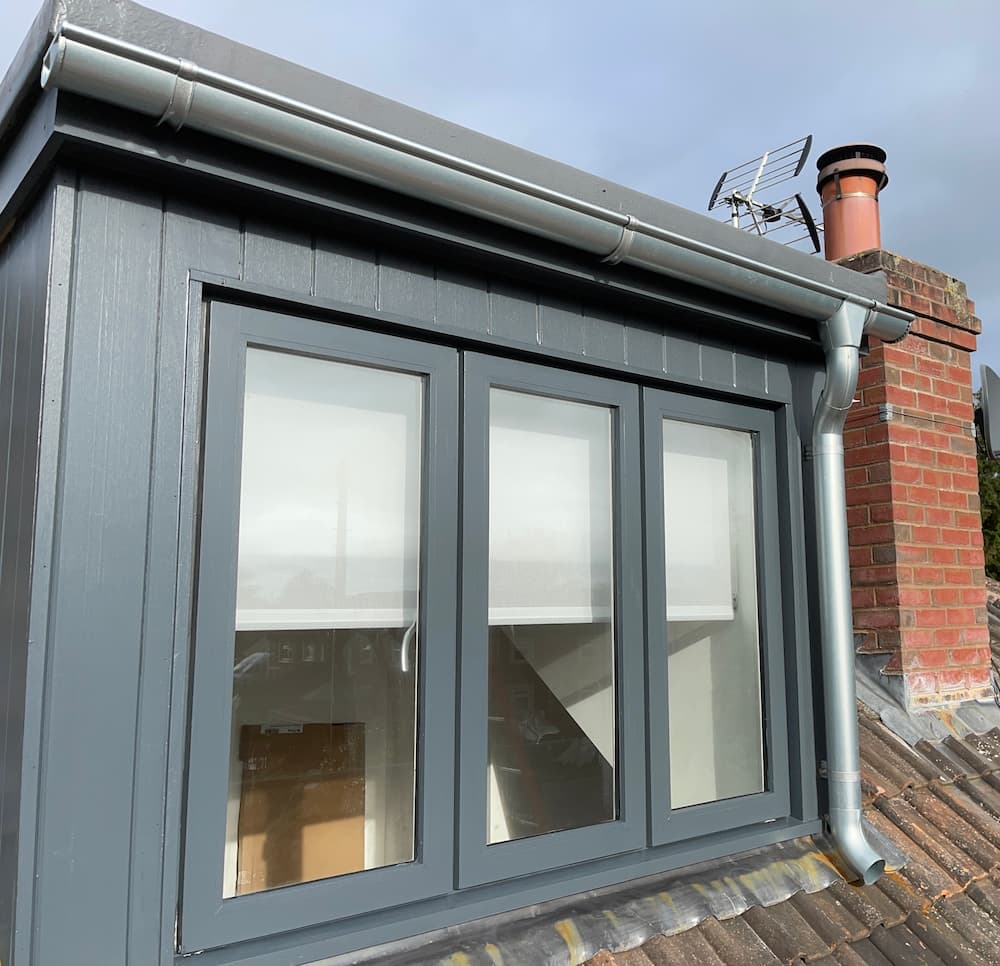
{"x": 742, "y": 189}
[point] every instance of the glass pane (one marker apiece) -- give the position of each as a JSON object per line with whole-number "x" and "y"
{"x": 551, "y": 745}
{"x": 714, "y": 676}
{"x": 323, "y": 746}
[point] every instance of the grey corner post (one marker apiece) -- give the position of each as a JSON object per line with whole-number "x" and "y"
{"x": 841, "y": 336}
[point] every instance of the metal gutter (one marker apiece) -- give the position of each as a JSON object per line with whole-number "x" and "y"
{"x": 179, "y": 93}
{"x": 182, "y": 94}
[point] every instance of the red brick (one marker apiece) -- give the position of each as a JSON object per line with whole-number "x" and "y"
{"x": 872, "y": 575}
{"x": 955, "y": 538}
{"x": 853, "y": 437}
{"x": 931, "y": 617}
{"x": 857, "y": 476}
{"x": 954, "y": 498}
{"x": 866, "y": 495}
{"x": 922, "y": 683}
{"x": 879, "y": 472}
{"x": 940, "y": 515}
{"x": 970, "y": 655}
{"x": 924, "y": 495}
{"x": 942, "y": 596}
{"x": 950, "y": 679}
{"x": 974, "y": 635}
{"x": 947, "y": 636}
{"x": 860, "y": 556}
{"x": 901, "y": 433}
{"x": 913, "y": 380}
{"x": 974, "y": 557}
{"x": 965, "y": 481}
{"x": 905, "y": 472}
{"x": 858, "y": 515}
{"x": 938, "y": 478}
{"x": 874, "y": 533}
{"x": 875, "y": 618}
{"x": 932, "y": 367}
{"x": 979, "y": 677}
{"x": 954, "y": 461}
{"x": 926, "y": 534}
{"x": 862, "y": 597}
{"x": 898, "y": 396}
{"x": 942, "y": 555}
{"x": 928, "y": 575}
{"x": 960, "y": 615}
{"x": 927, "y": 657}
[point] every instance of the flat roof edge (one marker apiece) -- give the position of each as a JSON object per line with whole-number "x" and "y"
{"x": 122, "y": 53}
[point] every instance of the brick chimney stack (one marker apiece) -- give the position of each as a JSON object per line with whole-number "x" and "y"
{"x": 917, "y": 576}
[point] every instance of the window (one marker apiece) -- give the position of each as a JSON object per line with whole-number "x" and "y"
{"x": 440, "y": 646}
{"x": 325, "y": 631}
{"x": 714, "y": 623}
{"x": 551, "y": 768}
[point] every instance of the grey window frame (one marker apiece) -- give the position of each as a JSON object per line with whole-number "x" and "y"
{"x": 478, "y": 862}
{"x": 208, "y": 920}
{"x": 669, "y": 825}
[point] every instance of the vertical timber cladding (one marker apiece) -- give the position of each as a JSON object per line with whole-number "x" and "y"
{"x": 24, "y": 269}
{"x": 119, "y": 629}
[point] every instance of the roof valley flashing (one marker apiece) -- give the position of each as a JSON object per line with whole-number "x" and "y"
{"x": 179, "y": 93}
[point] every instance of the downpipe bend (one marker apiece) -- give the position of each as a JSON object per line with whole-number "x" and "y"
{"x": 841, "y": 336}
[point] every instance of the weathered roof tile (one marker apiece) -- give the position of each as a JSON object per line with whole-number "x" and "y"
{"x": 737, "y": 944}
{"x": 786, "y": 933}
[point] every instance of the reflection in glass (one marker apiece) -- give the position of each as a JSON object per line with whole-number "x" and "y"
{"x": 323, "y": 744}
{"x": 551, "y": 737}
{"x": 714, "y": 674}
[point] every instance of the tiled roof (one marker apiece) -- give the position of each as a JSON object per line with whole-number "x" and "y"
{"x": 939, "y": 803}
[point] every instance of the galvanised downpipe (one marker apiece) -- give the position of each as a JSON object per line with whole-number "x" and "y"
{"x": 841, "y": 336}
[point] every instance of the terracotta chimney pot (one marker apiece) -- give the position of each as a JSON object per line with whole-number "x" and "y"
{"x": 850, "y": 179}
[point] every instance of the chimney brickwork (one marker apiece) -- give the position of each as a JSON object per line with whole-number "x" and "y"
{"x": 916, "y": 539}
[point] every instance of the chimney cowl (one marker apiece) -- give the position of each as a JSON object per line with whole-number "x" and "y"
{"x": 850, "y": 179}
{"x": 849, "y": 159}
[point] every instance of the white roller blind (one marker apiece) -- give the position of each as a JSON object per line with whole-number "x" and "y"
{"x": 330, "y": 495}
{"x": 550, "y": 510}
{"x": 701, "y": 526}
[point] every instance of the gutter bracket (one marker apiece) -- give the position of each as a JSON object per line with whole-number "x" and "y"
{"x": 620, "y": 252}
{"x": 179, "y": 106}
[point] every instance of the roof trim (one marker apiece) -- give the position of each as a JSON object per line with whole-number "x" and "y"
{"x": 179, "y": 92}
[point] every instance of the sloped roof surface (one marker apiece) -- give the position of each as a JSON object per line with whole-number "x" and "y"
{"x": 938, "y": 802}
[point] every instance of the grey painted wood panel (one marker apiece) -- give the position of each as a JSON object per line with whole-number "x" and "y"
{"x": 46, "y": 485}
{"x": 751, "y": 372}
{"x": 210, "y": 241}
{"x": 95, "y": 635}
{"x": 644, "y": 348}
{"x": 24, "y": 260}
{"x": 280, "y": 257}
{"x": 603, "y": 336}
{"x": 513, "y": 314}
{"x": 718, "y": 365}
{"x": 560, "y": 325}
{"x": 463, "y": 302}
{"x": 346, "y": 272}
{"x": 683, "y": 358}
{"x": 407, "y": 287}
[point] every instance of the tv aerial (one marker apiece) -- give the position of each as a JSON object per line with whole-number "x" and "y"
{"x": 743, "y": 191}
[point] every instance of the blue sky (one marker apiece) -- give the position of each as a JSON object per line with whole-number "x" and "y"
{"x": 662, "y": 96}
